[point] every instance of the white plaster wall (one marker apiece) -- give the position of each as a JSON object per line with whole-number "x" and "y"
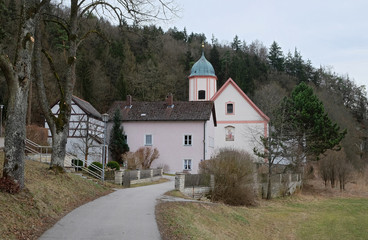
{"x": 209, "y": 84}
{"x": 248, "y": 123}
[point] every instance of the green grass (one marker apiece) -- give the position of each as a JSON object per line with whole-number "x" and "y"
{"x": 292, "y": 218}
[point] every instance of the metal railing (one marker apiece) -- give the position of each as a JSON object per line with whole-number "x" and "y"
{"x": 34, "y": 148}
{"x": 96, "y": 172}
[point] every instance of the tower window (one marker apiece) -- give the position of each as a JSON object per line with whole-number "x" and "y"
{"x": 201, "y": 94}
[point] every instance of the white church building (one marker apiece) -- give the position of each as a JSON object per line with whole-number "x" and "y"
{"x": 240, "y": 123}
{"x": 186, "y": 133}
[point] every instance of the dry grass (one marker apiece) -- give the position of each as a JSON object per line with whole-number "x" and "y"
{"x": 293, "y": 218}
{"x": 316, "y": 213}
{"x": 47, "y": 197}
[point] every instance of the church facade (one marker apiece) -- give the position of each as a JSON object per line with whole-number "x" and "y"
{"x": 240, "y": 123}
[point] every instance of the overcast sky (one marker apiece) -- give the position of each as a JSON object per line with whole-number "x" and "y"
{"x": 328, "y": 32}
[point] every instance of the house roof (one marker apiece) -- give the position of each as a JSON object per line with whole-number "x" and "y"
{"x": 86, "y": 107}
{"x": 231, "y": 82}
{"x": 161, "y": 111}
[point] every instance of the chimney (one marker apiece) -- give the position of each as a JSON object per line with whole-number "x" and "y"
{"x": 129, "y": 101}
{"x": 170, "y": 100}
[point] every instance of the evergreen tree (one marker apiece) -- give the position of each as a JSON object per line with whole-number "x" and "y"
{"x": 276, "y": 58}
{"x": 118, "y": 145}
{"x": 307, "y": 125}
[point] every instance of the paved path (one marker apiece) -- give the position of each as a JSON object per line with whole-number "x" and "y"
{"x": 124, "y": 214}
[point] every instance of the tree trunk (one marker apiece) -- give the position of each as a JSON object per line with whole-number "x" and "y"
{"x": 15, "y": 129}
{"x": 59, "y": 141}
{"x": 18, "y": 80}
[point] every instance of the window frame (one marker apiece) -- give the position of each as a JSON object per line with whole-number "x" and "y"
{"x": 190, "y": 140}
{"x": 145, "y": 139}
{"x": 204, "y": 94}
{"x": 187, "y": 162}
{"x": 226, "y": 108}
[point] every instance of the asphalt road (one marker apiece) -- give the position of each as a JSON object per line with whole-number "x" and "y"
{"x": 124, "y": 214}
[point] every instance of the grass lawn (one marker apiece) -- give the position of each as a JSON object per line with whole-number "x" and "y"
{"x": 47, "y": 197}
{"x": 299, "y": 217}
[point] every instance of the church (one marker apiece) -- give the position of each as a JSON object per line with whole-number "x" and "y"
{"x": 188, "y": 132}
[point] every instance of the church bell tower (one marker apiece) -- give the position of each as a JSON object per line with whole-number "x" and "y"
{"x": 202, "y": 80}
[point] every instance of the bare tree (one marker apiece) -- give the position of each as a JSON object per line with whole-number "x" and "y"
{"x": 136, "y": 11}
{"x": 18, "y": 78}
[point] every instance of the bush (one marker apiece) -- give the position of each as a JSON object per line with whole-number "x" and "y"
{"x": 8, "y": 185}
{"x": 98, "y": 164}
{"x": 113, "y": 165}
{"x": 78, "y": 163}
{"x": 233, "y": 171}
{"x": 142, "y": 158}
{"x": 37, "y": 134}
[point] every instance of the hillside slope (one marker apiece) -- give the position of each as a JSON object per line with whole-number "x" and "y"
{"x": 47, "y": 197}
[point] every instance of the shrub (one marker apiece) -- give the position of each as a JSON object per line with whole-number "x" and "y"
{"x": 8, "y": 185}
{"x": 78, "y": 163}
{"x": 146, "y": 155}
{"x": 98, "y": 164}
{"x": 142, "y": 158}
{"x": 37, "y": 134}
{"x": 233, "y": 171}
{"x": 113, "y": 165}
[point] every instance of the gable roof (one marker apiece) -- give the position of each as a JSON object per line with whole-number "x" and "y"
{"x": 86, "y": 107}
{"x": 246, "y": 98}
{"x": 160, "y": 111}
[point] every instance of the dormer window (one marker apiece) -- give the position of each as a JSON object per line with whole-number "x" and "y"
{"x": 229, "y": 108}
{"x": 201, "y": 94}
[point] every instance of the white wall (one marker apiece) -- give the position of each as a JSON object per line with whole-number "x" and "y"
{"x": 248, "y": 124}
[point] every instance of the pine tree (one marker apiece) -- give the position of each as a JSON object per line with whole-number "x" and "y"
{"x": 308, "y": 125}
{"x": 276, "y": 58}
{"x": 118, "y": 145}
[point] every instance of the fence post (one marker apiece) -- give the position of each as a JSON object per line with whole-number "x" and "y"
{"x": 138, "y": 174}
{"x": 119, "y": 177}
{"x": 126, "y": 182}
{"x": 179, "y": 181}
{"x": 151, "y": 174}
{"x": 212, "y": 182}
{"x": 162, "y": 172}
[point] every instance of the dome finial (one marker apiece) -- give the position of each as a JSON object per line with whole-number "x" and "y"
{"x": 202, "y": 48}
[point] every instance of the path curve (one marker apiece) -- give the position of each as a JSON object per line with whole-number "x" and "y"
{"x": 123, "y": 214}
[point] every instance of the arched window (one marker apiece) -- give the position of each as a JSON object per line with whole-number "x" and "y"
{"x": 201, "y": 94}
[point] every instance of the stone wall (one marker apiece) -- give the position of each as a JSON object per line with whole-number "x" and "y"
{"x": 193, "y": 191}
{"x": 119, "y": 176}
{"x": 281, "y": 185}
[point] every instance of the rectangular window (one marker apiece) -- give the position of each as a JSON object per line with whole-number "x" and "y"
{"x": 187, "y": 140}
{"x": 229, "y": 108}
{"x": 148, "y": 139}
{"x": 201, "y": 94}
{"x": 187, "y": 164}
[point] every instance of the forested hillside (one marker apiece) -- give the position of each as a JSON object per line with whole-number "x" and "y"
{"x": 148, "y": 63}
